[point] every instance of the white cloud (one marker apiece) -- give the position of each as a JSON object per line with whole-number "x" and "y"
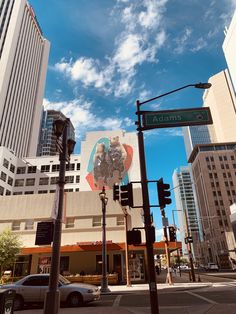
{"x": 82, "y": 117}
{"x": 139, "y": 42}
{"x": 183, "y": 40}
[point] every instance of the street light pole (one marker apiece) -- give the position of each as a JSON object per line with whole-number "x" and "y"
{"x": 128, "y": 282}
{"x": 147, "y": 219}
{"x": 104, "y": 283}
{"x": 52, "y": 297}
{"x": 146, "y": 204}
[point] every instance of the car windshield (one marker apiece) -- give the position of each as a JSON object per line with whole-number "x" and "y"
{"x": 63, "y": 280}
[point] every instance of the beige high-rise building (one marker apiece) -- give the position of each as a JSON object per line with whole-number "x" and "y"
{"x": 214, "y": 174}
{"x": 23, "y": 65}
{"x": 220, "y": 98}
{"x": 229, "y": 48}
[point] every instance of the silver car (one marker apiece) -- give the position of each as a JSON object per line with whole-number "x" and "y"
{"x": 32, "y": 289}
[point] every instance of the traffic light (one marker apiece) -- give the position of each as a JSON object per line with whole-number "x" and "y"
{"x": 116, "y": 192}
{"x": 163, "y": 193}
{"x": 172, "y": 234}
{"x": 134, "y": 237}
{"x": 126, "y": 195}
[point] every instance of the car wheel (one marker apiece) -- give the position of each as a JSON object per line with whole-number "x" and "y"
{"x": 75, "y": 299}
{"x": 18, "y": 302}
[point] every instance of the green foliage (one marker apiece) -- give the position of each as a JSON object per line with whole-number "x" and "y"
{"x": 10, "y": 246}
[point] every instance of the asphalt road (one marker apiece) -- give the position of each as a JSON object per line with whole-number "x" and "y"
{"x": 223, "y": 293}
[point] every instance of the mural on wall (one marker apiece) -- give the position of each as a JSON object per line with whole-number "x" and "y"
{"x": 109, "y": 163}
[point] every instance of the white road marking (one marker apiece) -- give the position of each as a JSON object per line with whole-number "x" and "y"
{"x": 116, "y": 303}
{"x": 201, "y": 297}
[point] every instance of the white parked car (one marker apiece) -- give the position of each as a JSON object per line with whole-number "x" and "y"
{"x": 32, "y": 289}
{"x": 212, "y": 267}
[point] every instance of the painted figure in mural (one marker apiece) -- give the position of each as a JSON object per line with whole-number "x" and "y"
{"x": 100, "y": 168}
{"x": 116, "y": 156}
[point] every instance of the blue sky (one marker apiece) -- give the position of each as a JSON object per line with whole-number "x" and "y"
{"x": 106, "y": 54}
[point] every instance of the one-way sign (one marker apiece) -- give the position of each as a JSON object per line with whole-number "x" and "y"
{"x": 176, "y": 118}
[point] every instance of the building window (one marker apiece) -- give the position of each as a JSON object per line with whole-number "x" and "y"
{"x": 97, "y": 221}
{"x": 215, "y": 175}
{"x": 54, "y": 180}
{"x": 222, "y": 166}
{"x": 19, "y": 182}
{"x": 227, "y": 166}
{"x": 212, "y": 158}
{"x": 3, "y": 176}
{"x": 8, "y": 192}
{"x": 78, "y": 166}
{"x": 69, "y": 179}
{"x": 207, "y": 158}
{"x": 1, "y": 190}
{"x": 42, "y": 192}
{"x": 15, "y": 225}
{"x": 12, "y": 168}
{"x": 43, "y": 181}
{"x": 29, "y": 192}
{"x": 10, "y": 180}
{"x": 229, "y": 174}
{"x": 210, "y": 175}
{"x": 231, "y": 183}
{"x": 221, "y": 203}
{"x": 30, "y": 182}
{"x": 70, "y": 222}
{"x": 20, "y": 170}
{"x": 216, "y": 203}
{"x": 70, "y": 167}
{"x": 225, "y": 157}
{"x": 120, "y": 220}
{"x": 77, "y": 179}
{"x": 5, "y": 163}
{"x": 224, "y": 175}
{"x": 29, "y": 225}
{"x": 77, "y": 190}
{"x": 55, "y": 168}
{"x": 32, "y": 169}
{"x": 226, "y": 183}
{"x": 232, "y": 157}
{"x": 209, "y": 167}
{"x": 234, "y": 166}
{"x": 52, "y": 191}
{"x": 45, "y": 168}
{"x": 220, "y": 158}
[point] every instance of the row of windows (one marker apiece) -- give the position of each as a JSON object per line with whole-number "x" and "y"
{"x": 70, "y": 223}
{"x": 221, "y": 158}
{"x": 44, "y": 168}
{"x": 45, "y": 181}
{"x": 42, "y": 181}
{"x": 7, "y": 192}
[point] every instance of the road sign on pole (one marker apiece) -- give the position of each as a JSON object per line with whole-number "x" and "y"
{"x": 176, "y": 118}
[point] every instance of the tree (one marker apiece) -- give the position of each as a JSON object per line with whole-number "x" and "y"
{"x": 10, "y": 246}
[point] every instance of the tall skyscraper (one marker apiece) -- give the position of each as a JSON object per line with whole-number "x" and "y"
{"x": 187, "y": 209}
{"x": 214, "y": 174}
{"x": 220, "y": 98}
{"x": 194, "y": 135}
{"x": 229, "y": 48}
{"x": 47, "y": 140}
{"x": 23, "y": 65}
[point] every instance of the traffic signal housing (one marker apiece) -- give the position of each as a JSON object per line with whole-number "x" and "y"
{"x": 134, "y": 237}
{"x": 126, "y": 195}
{"x": 116, "y": 192}
{"x": 172, "y": 234}
{"x": 163, "y": 193}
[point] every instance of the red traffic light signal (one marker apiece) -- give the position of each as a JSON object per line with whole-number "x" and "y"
{"x": 163, "y": 193}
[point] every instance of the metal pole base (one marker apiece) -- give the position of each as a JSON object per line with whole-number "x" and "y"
{"x": 104, "y": 286}
{"x": 52, "y": 302}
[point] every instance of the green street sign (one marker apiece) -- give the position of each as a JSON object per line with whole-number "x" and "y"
{"x": 176, "y": 118}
